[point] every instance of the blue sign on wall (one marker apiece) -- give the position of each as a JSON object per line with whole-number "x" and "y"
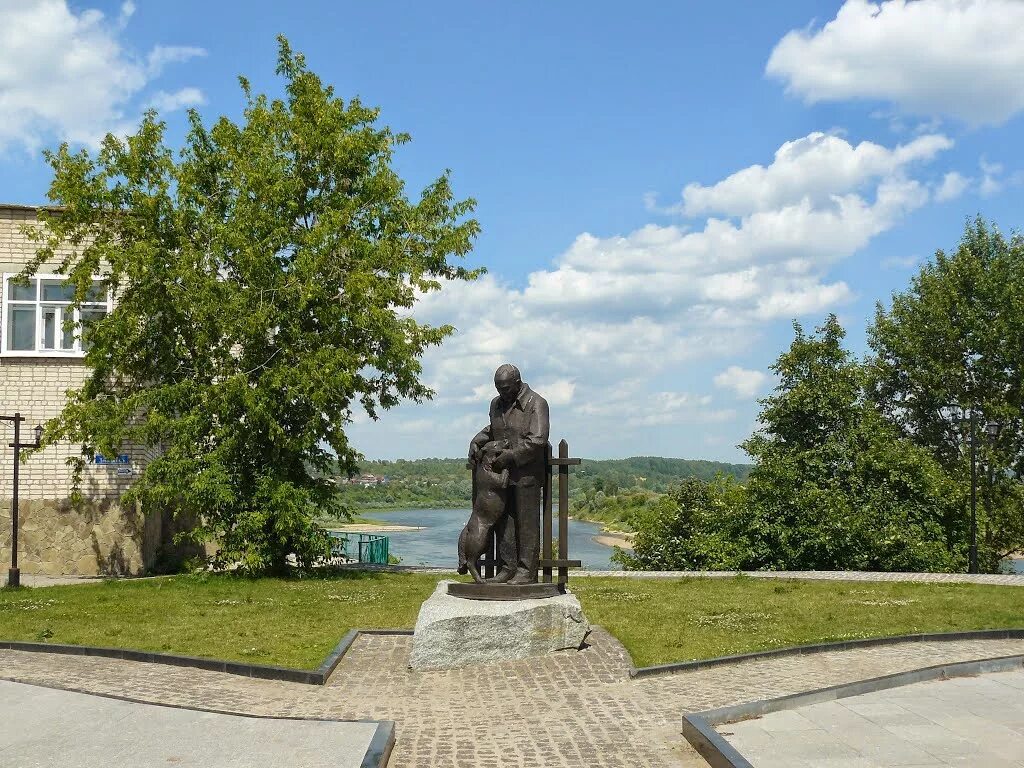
{"x": 124, "y": 458}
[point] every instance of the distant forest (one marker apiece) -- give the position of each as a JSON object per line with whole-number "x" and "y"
{"x": 447, "y": 482}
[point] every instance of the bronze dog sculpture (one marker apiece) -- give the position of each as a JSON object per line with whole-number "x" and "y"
{"x": 488, "y": 507}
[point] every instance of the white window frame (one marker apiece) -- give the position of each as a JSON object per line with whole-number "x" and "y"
{"x": 5, "y": 303}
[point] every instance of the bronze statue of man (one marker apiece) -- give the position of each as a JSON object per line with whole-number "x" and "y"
{"x": 519, "y": 416}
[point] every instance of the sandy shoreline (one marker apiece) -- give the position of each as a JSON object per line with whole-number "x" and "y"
{"x": 615, "y": 539}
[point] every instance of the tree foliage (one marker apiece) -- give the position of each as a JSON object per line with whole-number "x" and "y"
{"x": 833, "y": 487}
{"x": 953, "y": 344}
{"x": 698, "y": 525}
{"x": 263, "y": 281}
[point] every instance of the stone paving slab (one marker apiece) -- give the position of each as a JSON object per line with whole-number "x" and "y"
{"x": 49, "y": 727}
{"x": 969, "y": 721}
{"x": 571, "y": 709}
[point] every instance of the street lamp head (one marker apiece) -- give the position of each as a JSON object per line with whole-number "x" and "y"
{"x": 39, "y": 434}
{"x": 992, "y": 429}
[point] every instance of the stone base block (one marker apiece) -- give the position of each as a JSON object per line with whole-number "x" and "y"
{"x": 453, "y": 631}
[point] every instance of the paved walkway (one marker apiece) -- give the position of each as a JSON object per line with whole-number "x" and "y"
{"x": 968, "y": 721}
{"x": 39, "y": 580}
{"x": 571, "y": 709}
{"x": 1000, "y": 579}
{"x": 47, "y": 727}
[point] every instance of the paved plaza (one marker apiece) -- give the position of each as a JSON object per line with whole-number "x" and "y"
{"x": 977, "y": 722}
{"x": 50, "y": 727}
{"x": 569, "y": 709}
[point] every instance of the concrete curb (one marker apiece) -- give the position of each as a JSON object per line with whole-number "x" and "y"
{"x": 383, "y": 741}
{"x": 842, "y": 645}
{"x": 318, "y": 676}
{"x": 698, "y": 727}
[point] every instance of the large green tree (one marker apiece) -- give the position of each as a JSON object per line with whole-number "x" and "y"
{"x": 834, "y": 485}
{"x": 952, "y": 345}
{"x": 263, "y": 277}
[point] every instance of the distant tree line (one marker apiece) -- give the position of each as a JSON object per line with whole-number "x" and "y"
{"x": 866, "y": 463}
{"x": 447, "y": 483}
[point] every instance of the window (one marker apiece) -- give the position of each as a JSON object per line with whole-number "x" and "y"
{"x": 34, "y": 317}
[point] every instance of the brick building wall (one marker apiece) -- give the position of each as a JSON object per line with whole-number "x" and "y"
{"x": 55, "y": 537}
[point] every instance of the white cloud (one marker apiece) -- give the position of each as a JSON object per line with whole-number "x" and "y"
{"x": 991, "y": 183}
{"x": 744, "y": 382}
{"x": 816, "y": 167}
{"x": 666, "y": 408}
{"x": 557, "y": 391}
{"x": 959, "y": 58}
{"x": 65, "y": 74}
{"x": 953, "y": 185}
{"x": 899, "y": 262}
{"x": 630, "y": 405}
{"x": 612, "y": 315}
{"x": 162, "y": 55}
{"x": 169, "y": 102}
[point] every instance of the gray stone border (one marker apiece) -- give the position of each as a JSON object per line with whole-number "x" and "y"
{"x": 377, "y": 754}
{"x": 318, "y": 676}
{"x": 698, "y": 727}
{"x": 842, "y": 645}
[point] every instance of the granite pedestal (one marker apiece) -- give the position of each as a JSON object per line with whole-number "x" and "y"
{"x": 454, "y": 632}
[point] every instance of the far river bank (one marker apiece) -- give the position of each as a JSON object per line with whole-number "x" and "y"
{"x": 429, "y": 536}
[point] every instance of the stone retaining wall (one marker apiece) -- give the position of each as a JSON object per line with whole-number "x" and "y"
{"x": 97, "y": 538}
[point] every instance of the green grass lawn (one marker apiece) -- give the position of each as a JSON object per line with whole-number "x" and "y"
{"x": 297, "y": 622}
{"x": 661, "y": 621}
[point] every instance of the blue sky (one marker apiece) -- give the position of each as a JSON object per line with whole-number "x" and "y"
{"x": 663, "y": 187}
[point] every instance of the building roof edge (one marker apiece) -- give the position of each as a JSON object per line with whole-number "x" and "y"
{"x": 23, "y": 207}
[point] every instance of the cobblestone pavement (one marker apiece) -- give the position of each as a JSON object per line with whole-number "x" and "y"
{"x": 967, "y": 721}
{"x": 569, "y": 709}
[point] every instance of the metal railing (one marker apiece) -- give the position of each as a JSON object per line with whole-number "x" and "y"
{"x": 367, "y": 548}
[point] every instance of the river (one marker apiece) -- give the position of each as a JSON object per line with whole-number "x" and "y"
{"x": 437, "y": 544}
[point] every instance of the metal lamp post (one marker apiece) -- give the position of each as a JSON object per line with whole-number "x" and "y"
{"x": 992, "y": 430}
{"x": 972, "y": 563}
{"x": 14, "y": 575}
